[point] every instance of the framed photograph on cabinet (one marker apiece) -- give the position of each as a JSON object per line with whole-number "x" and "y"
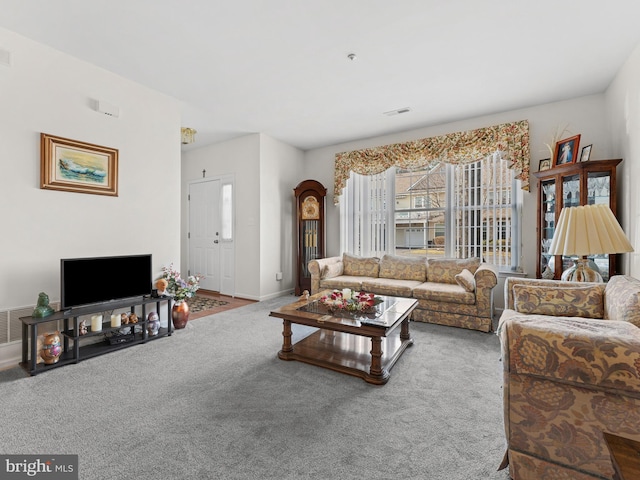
{"x": 566, "y": 151}
{"x": 544, "y": 164}
{"x": 74, "y": 166}
{"x": 586, "y": 153}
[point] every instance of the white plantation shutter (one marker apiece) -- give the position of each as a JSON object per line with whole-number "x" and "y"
{"x": 366, "y": 215}
{"x": 475, "y": 205}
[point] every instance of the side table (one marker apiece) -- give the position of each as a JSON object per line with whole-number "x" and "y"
{"x": 625, "y": 456}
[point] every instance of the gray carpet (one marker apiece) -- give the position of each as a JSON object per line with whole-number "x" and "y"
{"x": 213, "y": 401}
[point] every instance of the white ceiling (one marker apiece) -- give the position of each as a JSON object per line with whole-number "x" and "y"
{"x": 280, "y": 67}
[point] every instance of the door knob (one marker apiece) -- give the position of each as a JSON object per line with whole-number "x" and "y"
{"x": 215, "y": 241}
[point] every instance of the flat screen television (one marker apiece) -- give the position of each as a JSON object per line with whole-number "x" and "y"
{"x": 86, "y": 281}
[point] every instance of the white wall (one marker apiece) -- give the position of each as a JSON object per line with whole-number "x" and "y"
{"x": 281, "y": 167}
{"x": 239, "y": 157}
{"x": 266, "y": 172}
{"x": 623, "y": 114}
{"x": 585, "y": 116}
{"x": 47, "y": 91}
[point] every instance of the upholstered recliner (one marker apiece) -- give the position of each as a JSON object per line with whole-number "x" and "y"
{"x": 571, "y": 354}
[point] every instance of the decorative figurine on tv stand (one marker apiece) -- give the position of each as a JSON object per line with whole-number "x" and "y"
{"x": 51, "y": 348}
{"x": 42, "y": 309}
{"x": 153, "y": 325}
{"x": 161, "y": 285}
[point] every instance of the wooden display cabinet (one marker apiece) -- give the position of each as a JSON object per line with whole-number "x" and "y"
{"x": 582, "y": 183}
{"x": 310, "y": 202}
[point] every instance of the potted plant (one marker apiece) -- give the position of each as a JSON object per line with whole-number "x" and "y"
{"x": 180, "y": 289}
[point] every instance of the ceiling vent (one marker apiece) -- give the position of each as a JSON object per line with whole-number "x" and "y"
{"x": 397, "y": 112}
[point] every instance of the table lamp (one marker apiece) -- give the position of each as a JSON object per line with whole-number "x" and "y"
{"x": 587, "y": 230}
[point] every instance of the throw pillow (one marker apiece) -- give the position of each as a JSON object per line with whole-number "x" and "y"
{"x": 403, "y": 268}
{"x": 466, "y": 280}
{"x": 332, "y": 270}
{"x": 622, "y": 299}
{"x": 444, "y": 270}
{"x": 360, "y": 266}
{"x": 587, "y": 302}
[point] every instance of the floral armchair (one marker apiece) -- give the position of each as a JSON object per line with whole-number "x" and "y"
{"x": 569, "y": 377}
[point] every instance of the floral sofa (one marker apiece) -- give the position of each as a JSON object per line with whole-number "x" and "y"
{"x": 449, "y": 291}
{"x": 571, "y": 355}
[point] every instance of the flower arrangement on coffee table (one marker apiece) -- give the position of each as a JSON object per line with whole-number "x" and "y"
{"x": 353, "y": 302}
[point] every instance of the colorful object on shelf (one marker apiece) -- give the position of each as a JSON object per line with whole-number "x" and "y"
{"x": 42, "y": 308}
{"x": 82, "y": 328}
{"x": 51, "y": 348}
{"x": 127, "y": 319}
{"x": 180, "y": 314}
{"x": 153, "y": 324}
{"x": 161, "y": 286}
{"x": 353, "y": 302}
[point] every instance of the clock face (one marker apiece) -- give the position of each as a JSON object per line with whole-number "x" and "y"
{"x": 310, "y": 209}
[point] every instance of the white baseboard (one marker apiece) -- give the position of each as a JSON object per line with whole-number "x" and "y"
{"x": 10, "y": 354}
{"x": 277, "y": 294}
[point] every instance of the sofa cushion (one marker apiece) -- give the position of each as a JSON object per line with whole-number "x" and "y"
{"x": 465, "y": 280}
{"x": 342, "y": 281}
{"x": 403, "y": 268}
{"x": 332, "y": 270}
{"x": 362, "y": 266}
{"x": 622, "y": 299}
{"x": 444, "y": 292}
{"x": 389, "y": 286}
{"x": 444, "y": 270}
{"x": 586, "y": 302}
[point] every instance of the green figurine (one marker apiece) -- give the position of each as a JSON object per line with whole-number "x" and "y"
{"x": 43, "y": 309}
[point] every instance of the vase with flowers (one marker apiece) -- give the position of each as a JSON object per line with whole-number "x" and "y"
{"x": 180, "y": 289}
{"x": 349, "y": 302}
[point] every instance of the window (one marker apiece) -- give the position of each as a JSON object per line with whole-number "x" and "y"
{"x": 441, "y": 210}
{"x": 227, "y": 212}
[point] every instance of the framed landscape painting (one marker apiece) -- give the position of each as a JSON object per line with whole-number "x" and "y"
{"x": 74, "y": 166}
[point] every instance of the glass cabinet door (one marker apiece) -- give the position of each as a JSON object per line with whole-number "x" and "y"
{"x": 570, "y": 198}
{"x": 571, "y": 191}
{"x": 598, "y": 188}
{"x": 599, "y": 191}
{"x": 548, "y": 223}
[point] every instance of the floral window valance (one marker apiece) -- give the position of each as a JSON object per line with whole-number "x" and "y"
{"x": 511, "y": 139}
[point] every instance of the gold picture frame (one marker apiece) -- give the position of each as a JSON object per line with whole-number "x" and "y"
{"x": 74, "y": 166}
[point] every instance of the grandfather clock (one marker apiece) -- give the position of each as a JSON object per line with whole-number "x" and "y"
{"x": 309, "y": 197}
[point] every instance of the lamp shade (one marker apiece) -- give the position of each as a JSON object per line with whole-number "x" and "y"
{"x": 588, "y": 230}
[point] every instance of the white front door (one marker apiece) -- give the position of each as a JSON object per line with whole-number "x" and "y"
{"x": 204, "y": 233}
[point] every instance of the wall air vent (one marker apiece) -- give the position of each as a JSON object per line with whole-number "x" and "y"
{"x": 107, "y": 108}
{"x": 398, "y": 111}
{"x": 5, "y": 57}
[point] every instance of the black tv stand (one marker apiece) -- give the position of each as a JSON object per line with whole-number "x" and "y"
{"x": 73, "y": 351}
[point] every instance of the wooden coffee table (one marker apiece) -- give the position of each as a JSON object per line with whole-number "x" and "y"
{"x": 364, "y": 347}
